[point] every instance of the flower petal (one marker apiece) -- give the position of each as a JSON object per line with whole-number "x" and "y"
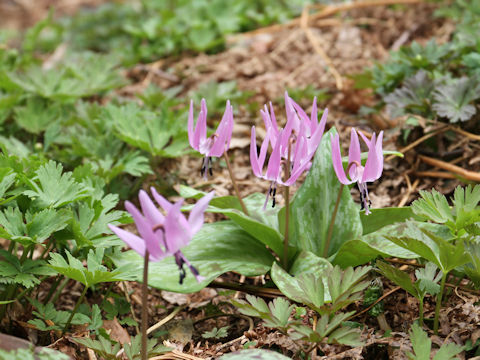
{"x": 153, "y": 240}
{"x": 149, "y": 210}
{"x": 133, "y": 241}
{"x": 254, "y": 161}
{"x": 164, "y": 203}
{"x": 337, "y": 160}
{"x": 223, "y": 129}
{"x": 273, "y": 169}
{"x": 177, "y": 232}
{"x": 201, "y": 128}
{"x": 354, "y": 154}
{"x": 374, "y": 165}
{"x": 190, "y": 126}
{"x": 195, "y": 220}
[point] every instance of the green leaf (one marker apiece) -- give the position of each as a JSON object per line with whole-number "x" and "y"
{"x": 448, "y": 352}
{"x": 453, "y": 99}
{"x": 385, "y": 216}
{"x": 51, "y": 188}
{"x": 313, "y": 205}
{"x": 37, "y": 115}
{"x": 102, "y": 347}
{"x": 94, "y": 273}
{"x": 217, "y": 248}
{"x": 428, "y": 278}
{"x": 420, "y": 342}
{"x": 216, "y": 333}
{"x": 399, "y": 277}
{"x": 289, "y": 285}
{"x": 433, "y": 206}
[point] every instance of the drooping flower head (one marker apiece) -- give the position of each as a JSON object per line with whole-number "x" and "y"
{"x": 300, "y": 137}
{"x": 161, "y": 234}
{"x": 356, "y": 172}
{"x": 216, "y": 144}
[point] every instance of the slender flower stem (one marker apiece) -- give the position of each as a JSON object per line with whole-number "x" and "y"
{"x": 438, "y": 305}
{"x": 420, "y": 312}
{"x": 287, "y": 209}
{"x": 144, "y": 306}
{"x": 234, "y": 183}
{"x": 79, "y": 301}
{"x": 332, "y": 222}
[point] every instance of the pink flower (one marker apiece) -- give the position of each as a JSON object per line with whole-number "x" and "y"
{"x": 274, "y": 169}
{"x": 360, "y": 174}
{"x": 301, "y": 134}
{"x": 214, "y": 145}
{"x": 163, "y": 235}
{"x": 298, "y": 123}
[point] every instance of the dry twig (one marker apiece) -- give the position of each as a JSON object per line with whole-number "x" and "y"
{"x": 469, "y": 175}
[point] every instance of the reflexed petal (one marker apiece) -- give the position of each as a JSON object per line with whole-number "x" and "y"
{"x": 314, "y": 117}
{"x": 374, "y": 164}
{"x": 191, "y": 135}
{"x": 218, "y": 146}
{"x": 201, "y": 128}
{"x": 273, "y": 169}
{"x": 317, "y": 135}
{"x": 195, "y": 220}
{"x": 164, "y": 203}
{"x": 133, "y": 241}
{"x": 176, "y": 234}
{"x": 149, "y": 209}
{"x": 337, "y": 160}
{"x": 145, "y": 229}
{"x": 254, "y": 161}
{"x": 354, "y": 153}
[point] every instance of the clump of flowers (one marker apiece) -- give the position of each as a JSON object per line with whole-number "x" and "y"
{"x": 294, "y": 145}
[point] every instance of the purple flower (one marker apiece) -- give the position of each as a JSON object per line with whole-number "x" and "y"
{"x": 301, "y": 137}
{"x": 298, "y": 123}
{"x": 214, "y": 145}
{"x": 360, "y": 174}
{"x": 163, "y": 235}
{"x": 274, "y": 169}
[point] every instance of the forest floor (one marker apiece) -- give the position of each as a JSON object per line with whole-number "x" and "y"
{"x": 323, "y": 52}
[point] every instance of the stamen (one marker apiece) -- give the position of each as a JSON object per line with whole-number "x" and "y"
{"x": 274, "y": 193}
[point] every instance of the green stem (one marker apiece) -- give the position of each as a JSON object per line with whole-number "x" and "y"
{"x": 332, "y": 222}
{"x": 234, "y": 183}
{"x": 438, "y": 305}
{"x": 287, "y": 209}
{"x": 145, "y": 306}
{"x": 79, "y": 301}
{"x": 59, "y": 290}
{"x": 420, "y": 311}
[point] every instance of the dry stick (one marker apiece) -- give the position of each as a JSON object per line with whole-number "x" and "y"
{"x": 375, "y": 303}
{"x": 287, "y": 208}
{"x": 144, "y": 306}
{"x": 234, "y": 182}
{"x": 328, "y": 11}
{"x": 332, "y": 221}
{"x": 319, "y": 50}
{"x": 165, "y": 319}
{"x": 465, "y": 133}
{"x": 410, "y": 190}
{"x": 419, "y": 141}
{"x": 469, "y": 175}
{"x": 435, "y": 174}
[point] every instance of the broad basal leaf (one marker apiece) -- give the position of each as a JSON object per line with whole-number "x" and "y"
{"x": 215, "y": 249}
{"x": 313, "y": 205}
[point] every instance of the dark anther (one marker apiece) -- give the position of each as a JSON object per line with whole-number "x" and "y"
{"x": 273, "y": 196}
{"x": 210, "y": 166}
{"x": 202, "y": 170}
{"x": 179, "y": 261}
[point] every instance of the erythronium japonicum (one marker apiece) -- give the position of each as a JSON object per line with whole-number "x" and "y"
{"x": 360, "y": 174}
{"x": 356, "y": 172}
{"x": 161, "y": 236}
{"x": 214, "y": 146}
{"x": 296, "y": 143}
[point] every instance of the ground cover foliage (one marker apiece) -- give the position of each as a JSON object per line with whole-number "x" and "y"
{"x": 76, "y": 141}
